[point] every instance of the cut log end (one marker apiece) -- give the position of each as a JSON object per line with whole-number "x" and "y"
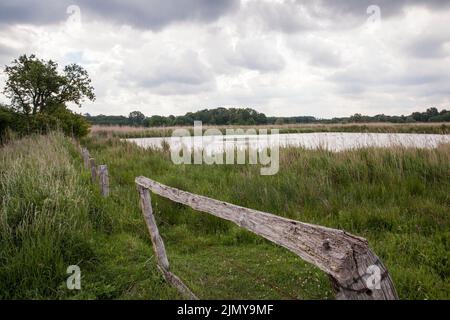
{"x": 369, "y": 279}
{"x": 355, "y": 271}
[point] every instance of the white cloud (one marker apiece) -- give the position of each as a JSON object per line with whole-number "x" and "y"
{"x": 282, "y": 58}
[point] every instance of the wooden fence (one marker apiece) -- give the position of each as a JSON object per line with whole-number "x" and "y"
{"x": 355, "y": 272}
{"x": 98, "y": 174}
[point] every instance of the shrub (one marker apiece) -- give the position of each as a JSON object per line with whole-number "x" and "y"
{"x": 70, "y": 123}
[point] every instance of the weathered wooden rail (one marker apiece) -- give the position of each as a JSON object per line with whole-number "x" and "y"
{"x": 355, "y": 271}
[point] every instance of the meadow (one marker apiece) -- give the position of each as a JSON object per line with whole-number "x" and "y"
{"x": 52, "y": 216}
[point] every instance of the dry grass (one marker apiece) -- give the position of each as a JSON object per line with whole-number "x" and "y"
{"x": 135, "y": 132}
{"x": 115, "y": 128}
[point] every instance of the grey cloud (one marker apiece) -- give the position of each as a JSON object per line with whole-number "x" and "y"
{"x": 319, "y": 52}
{"x": 256, "y": 54}
{"x": 359, "y": 80}
{"x": 429, "y": 46}
{"x": 32, "y": 12}
{"x": 293, "y": 16}
{"x": 327, "y": 59}
{"x": 288, "y": 17}
{"x": 182, "y": 74}
{"x": 229, "y": 53}
{"x": 413, "y": 79}
{"x": 441, "y": 90}
{"x": 5, "y": 50}
{"x": 6, "y": 55}
{"x": 170, "y": 89}
{"x": 387, "y": 7}
{"x": 150, "y": 14}
{"x": 156, "y": 14}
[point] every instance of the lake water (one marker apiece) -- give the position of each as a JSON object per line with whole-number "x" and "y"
{"x": 333, "y": 141}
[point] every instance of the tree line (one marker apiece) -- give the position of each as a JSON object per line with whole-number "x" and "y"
{"x": 39, "y": 93}
{"x": 248, "y": 116}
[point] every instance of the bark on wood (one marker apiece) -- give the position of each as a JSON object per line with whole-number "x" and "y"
{"x": 103, "y": 179}
{"x": 345, "y": 257}
{"x": 85, "y": 154}
{"x": 93, "y": 170}
{"x": 178, "y": 284}
{"x": 158, "y": 244}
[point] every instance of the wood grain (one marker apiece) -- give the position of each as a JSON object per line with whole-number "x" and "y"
{"x": 344, "y": 257}
{"x": 159, "y": 249}
{"x": 93, "y": 170}
{"x": 103, "y": 179}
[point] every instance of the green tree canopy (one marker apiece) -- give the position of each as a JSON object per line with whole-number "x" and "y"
{"x": 36, "y": 86}
{"x": 136, "y": 118}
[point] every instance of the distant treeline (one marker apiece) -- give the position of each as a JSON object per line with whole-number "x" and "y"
{"x": 247, "y": 116}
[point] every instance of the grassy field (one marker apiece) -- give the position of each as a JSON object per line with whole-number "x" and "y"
{"x": 52, "y": 217}
{"x": 141, "y": 132}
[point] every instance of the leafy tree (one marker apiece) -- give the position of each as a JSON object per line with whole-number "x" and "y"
{"x": 6, "y": 118}
{"x": 155, "y": 121}
{"x": 279, "y": 121}
{"x": 420, "y": 116}
{"x": 432, "y": 112}
{"x": 108, "y": 120}
{"x": 35, "y": 85}
{"x": 136, "y": 118}
{"x": 39, "y": 94}
{"x": 357, "y": 117}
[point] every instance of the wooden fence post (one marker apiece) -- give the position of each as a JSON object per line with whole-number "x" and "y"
{"x": 355, "y": 271}
{"x": 158, "y": 244}
{"x": 93, "y": 170}
{"x": 85, "y": 154}
{"x": 103, "y": 179}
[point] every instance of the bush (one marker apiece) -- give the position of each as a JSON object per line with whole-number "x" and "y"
{"x": 6, "y": 118}
{"x": 60, "y": 118}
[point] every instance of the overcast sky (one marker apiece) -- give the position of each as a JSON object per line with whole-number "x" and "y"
{"x": 322, "y": 58}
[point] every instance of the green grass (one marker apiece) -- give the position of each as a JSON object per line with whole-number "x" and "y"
{"x": 51, "y": 217}
{"x": 396, "y": 198}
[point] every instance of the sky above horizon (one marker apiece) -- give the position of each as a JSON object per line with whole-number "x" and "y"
{"x": 283, "y": 58}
